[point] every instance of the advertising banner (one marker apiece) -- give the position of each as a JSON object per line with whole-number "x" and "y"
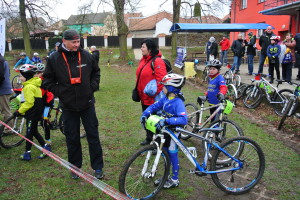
{"x": 2, "y": 36}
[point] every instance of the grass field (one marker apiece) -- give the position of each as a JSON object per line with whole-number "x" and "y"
{"x": 120, "y": 134}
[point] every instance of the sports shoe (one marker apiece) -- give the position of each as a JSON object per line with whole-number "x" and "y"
{"x": 170, "y": 183}
{"x": 74, "y": 176}
{"x": 99, "y": 174}
{"x": 26, "y": 156}
{"x": 43, "y": 155}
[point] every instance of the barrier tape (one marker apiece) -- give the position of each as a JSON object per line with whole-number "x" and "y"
{"x": 107, "y": 189}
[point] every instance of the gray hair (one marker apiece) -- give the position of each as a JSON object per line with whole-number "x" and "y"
{"x": 93, "y": 47}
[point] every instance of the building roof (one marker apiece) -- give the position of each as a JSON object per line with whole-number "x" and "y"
{"x": 149, "y": 23}
{"x": 210, "y": 19}
{"x": 93, "y": 18}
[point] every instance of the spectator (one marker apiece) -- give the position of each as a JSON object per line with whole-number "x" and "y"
{"x": 287, "y": 65}
{"x": 36, "y": 59}
{"x": 273, "y": 53}
{"x": 238, "y": 48}
{"x": 95, "y": 53}
{"x": 24, "y": 60}
{"x": 145, "y": 74}
{"x": 5, "y": 89}
{"x": 297, "y": 54}
{"x": 251, "y": 51}
{"x": 207, "y": 49}
{"x": 213, "y": 49}
{"x": 264, "y": 42}
{"x": 224, "y": 50}
{"x": 75, "y": 87}
{"x": 57, "y": 44}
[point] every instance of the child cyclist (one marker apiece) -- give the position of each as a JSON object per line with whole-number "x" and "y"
{"x": 31, "y": 107}
{"x": 173, "y": 109}
{"x": 216, "y": 87}
{"x": 273, "y": 53}
{"x": 48, "y": 101}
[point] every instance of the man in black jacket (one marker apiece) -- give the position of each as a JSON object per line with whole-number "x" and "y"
{"x": 264, "y": 42}
{"x": 238, "y": 48}
{"x": 95, "y": 53}
{"x": 73, "y": 76}
{"x": 297, "y": 54}
{"x": 251, "y": 52}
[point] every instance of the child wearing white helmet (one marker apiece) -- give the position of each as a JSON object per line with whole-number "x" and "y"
{"x": 174, "y": 113}
{"x": 36, "y": 59}
{"x": 273, "y": 53}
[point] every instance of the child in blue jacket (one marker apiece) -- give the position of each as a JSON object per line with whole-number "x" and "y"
{"x": 174, "y": 112}
{"x": 273, "y": 53}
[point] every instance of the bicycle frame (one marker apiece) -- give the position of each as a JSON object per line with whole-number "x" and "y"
{"x": 200, "y": 167}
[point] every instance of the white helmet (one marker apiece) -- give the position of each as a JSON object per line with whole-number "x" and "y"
{"x": 40, "y": 67}
{"x": 35, "y": 54}
{"x": 274, "y": 37}
{"x": 174, "y": 80}
{"x": 27, "y": 68}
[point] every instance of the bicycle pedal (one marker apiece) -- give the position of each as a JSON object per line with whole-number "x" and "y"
{"x": 198, "y": 173}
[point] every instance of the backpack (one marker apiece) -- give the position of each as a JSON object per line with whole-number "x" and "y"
{"x": 167, "y": 63}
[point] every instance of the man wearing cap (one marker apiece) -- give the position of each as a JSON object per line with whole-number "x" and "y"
{"x": 264, "y": 42}
{"x": 251, "y": 51}
{"x": 73, "y": 76}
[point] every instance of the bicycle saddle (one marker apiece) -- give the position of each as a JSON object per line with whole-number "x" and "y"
{"x": 201, "y": 99}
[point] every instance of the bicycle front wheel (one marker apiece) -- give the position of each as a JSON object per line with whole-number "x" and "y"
{"x": 193, "y": 119}
{"x": 231, "y": 94}
{"x": 249, "y": 172}
{"x": 9, "y": 139}
{"x": 136, "y": 180}
{"x": 16, "y": 83}
{"x": 230, "y": 130}
{"x": 240, "y": 90}
{"x": 253, "y": 96}
{"x": 285, "y": 113}
{"x": 281, "y": 100}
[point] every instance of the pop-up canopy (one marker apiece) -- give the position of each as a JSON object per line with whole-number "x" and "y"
{"x": 188, "y": 27}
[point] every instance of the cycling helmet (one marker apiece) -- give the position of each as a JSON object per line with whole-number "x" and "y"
{"x": 22, "y": 54}
{"x": 173, "y": 83}
{"x": 275, "y": 38}
{"x": 35, "y": 54}
{"x": 215, "y": 63}
{"x": 28, "y": 71}
{"x": 57, "y": 44}
{"x": 40, "y": 67}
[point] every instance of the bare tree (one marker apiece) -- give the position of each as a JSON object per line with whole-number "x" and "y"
{"x": 83, "y": 10}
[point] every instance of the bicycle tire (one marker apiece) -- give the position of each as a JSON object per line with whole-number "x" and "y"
{"x": 10, "y": 139}
{"x": 240, "y": 90}
{"x": 227, "y": 78}
{"x": 236, "y": 80}
{"x": 16, "y": 83}
{"x": 285, "y": 113}
{"x": 205, "y": 75}
{"x": 61, "y": 127}
{"x": 192, "y": 120}
{"x": 278, "y": 108}
{"x": 131, "y": 173}
{"x": 253, "y": 96}
{"x": 231, "y": 94}
{"x": 242, "y": 180}
{"x": 230, "y": 130}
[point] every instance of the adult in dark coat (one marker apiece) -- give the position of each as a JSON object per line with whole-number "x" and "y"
{"x": 73, "y": 76}
{"x": 251, "y": 51}
{"x": 238, "y": 49}
{"x": 95, "y": 53}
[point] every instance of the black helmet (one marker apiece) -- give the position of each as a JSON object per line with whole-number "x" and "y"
{"x": 215, "y": 63}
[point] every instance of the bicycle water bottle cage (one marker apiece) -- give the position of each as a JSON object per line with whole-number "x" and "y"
{"x": 228, "y": 107}
{"x": 151, "y": 122}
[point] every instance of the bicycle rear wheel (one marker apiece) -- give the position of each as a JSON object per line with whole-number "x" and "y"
{"x": 253, "y": 96}
{"x": 135, "y": 179}
{"x": 281, "y": 100}
{"x": 9, "y": 139}
{"x": 285, "y": 113}
{"x": 248, "y": 175}
{"x": 240, "y": 90}
{"x": 236, "y": 80}
{"x": 192, "y": 120}
{"x": 230, "y": 130}
{"x": 16, "y": 82}
{"x": 231, "y": 94}
{"x": 61, "y": 127}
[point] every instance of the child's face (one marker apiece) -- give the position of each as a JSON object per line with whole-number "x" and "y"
{"x": 213, "y": 71}
{"x": 22, "y": 78}
{"x": 272, "y": 41}
{"x": 39, "y": 74}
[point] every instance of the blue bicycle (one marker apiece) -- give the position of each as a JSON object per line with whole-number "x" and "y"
{"x": 236, "y": 167}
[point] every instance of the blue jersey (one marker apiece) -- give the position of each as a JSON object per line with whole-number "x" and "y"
{"x": 214, "y": 88}
{"x": 23, "y": 61}
{"x": 273, "y": 50}
{"x": 173, "y": 109}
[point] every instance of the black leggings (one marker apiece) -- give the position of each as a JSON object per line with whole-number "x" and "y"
{"x": 32, "y": 131}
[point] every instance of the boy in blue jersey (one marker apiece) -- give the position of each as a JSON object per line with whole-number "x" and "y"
{"x": 273, "y": 53}
{"x": 172, "y": 106}
{"x": 217, "y": 86}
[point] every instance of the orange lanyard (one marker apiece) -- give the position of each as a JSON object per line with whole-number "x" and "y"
{"x": 79, "y": 63}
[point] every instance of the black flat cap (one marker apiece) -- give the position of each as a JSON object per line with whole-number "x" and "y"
{"x": 71, "y": 34}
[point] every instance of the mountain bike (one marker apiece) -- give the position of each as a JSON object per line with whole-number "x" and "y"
{"x": 259, "y": 88}
{"x": 237, "y": 164}
{"x": 291, "y": 106}
{"x": 232, "y": 78}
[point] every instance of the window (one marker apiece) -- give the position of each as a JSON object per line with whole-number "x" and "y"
{"x": 244, "y": 4}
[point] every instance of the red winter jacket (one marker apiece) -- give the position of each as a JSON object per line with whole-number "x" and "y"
{"x": 224, "y": 44}
{"x": 147, "y": 75}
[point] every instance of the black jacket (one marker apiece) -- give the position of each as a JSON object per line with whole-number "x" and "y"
{"x": 297, "y": 39}
{"x": 96, "y": 55}
{"x": 214, "y": 49}
{"x": 237, "y": 48}
{"x": 251, "y": 50}
{"x": 264, "y": 42}
{"x": 74, "y": 97}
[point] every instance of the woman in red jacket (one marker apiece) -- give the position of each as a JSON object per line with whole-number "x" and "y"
{"x": 145, "y": 73}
